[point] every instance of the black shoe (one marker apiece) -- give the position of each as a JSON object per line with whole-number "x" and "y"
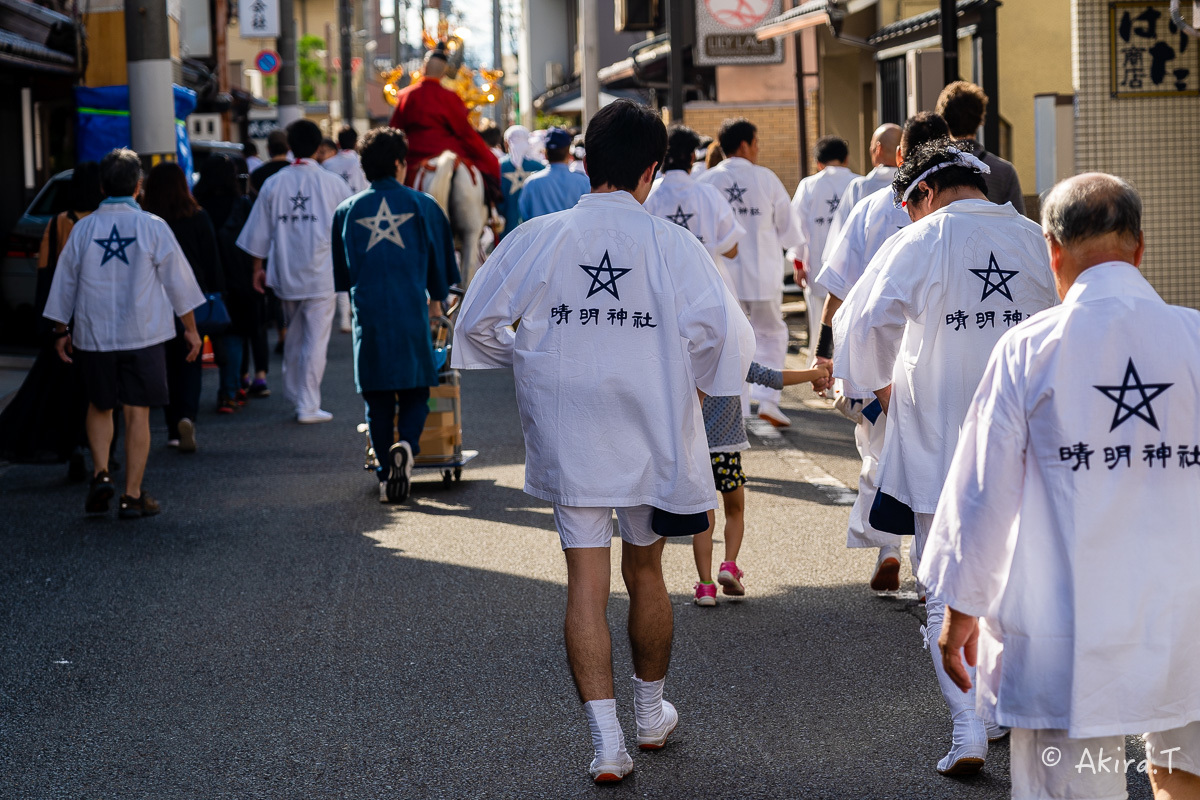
{"x": 399, "y": 479}
{"x": 132, "y": 508}
{"x": 100, "y": 492}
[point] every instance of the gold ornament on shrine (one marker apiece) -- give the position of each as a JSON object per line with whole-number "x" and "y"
{"x": 476, "y": 89}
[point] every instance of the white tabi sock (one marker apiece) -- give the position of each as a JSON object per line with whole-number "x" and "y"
{"x": 607, "y": 738}
{"x": 648, "y": 703}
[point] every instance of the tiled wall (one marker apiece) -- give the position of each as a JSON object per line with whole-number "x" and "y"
{"x": 776, "y": 122}
{"x": 1152, "y": 142}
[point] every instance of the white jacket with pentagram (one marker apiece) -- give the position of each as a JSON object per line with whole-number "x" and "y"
{"x": 679, "y": 198}
{"x": 611, "y": 319}
{"x": 291, "y": 225}
{"x": 764, "y": 209}
{"x": 933, "y": 302}
{"x": 1069, "y": 518}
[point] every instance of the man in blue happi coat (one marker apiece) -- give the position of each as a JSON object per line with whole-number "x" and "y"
{"x": 393, "y": 251}
{"x": 555, "y": 188}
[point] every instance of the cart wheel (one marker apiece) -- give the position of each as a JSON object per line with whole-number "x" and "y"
{"x": 446, "y": 478}
{"x": 457, "y": 474}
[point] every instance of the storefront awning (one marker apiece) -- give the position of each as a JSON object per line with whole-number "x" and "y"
{"x": 36, "y": 38}
{"x": 924, "y": 24}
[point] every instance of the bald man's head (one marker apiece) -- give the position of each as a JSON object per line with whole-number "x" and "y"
{"x": 1090, "y": 219}
{"x": 884, "y": 143}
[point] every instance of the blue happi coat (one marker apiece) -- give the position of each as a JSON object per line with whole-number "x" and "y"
{"x": 393, "y": 251}
{"x": 512, "y": 181}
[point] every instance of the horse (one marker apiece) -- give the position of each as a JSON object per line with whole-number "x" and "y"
{"x": 458, "y": 188}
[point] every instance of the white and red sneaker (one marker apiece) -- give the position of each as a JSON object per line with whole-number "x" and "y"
{"x": 706, "y": 594}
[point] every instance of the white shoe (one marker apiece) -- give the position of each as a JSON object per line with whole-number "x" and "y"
{"x": 996, "y": 732}
{"x": 611, "y": 769}
{"x": 320, "y": 415}
{"x": 383, "y": 493}
{"x": 771, "y": 413}
{"x": 968, "y": 746}
{"x": 187, "y": 436}
{"x": 656, "y": 738}
{"x": 886, "y": 577}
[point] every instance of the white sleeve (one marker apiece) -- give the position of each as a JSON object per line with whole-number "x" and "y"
{"x": 728, "y": 230}
{"x": 868, "y": 328}
{"x": 60, "y": 305}
{"x": 970, "y": 549}
{"x": 719, "y": 338}
{"x": 787, "y": 227}
{"x": 255, "y": 237}
{"x": 843, "y": 261}
{"x": 485, "y": 333}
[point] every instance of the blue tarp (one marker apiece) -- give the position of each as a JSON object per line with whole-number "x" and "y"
{"x": 102, "y": 122}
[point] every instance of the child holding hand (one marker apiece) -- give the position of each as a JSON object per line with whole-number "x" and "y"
{"x": 726, "y": 432}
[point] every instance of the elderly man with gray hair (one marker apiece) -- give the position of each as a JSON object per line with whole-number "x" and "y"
{"x": 123, "y": 279}
{"x": 1065, "y": 542}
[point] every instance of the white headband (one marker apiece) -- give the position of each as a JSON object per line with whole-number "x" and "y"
{"x": 961, "y": 159}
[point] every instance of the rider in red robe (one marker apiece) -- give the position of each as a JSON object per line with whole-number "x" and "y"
{"x": 435, "y": 119}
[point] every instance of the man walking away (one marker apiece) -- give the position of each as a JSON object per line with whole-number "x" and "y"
{"x": 555, "y": 188}
{"x": 964, "y": 105}
{"x": 291, "y": 223}
{"x": 394, "y": 254}
{"x": 123, "y": 279}
{"x": 622, "y": 318}
{"x": 761, "y": 204}
{"x": 1065, "y": 540}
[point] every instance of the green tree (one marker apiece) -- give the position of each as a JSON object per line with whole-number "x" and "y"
{"x": 312, "y": 72}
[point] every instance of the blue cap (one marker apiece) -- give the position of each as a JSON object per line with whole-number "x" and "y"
{"x": 557, "y": 138}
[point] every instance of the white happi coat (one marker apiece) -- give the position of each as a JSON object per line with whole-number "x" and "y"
{"x": 872, "y": 222}
{"x": 701, "y": 209}
{"x": 1069, "y": 519}
{"x": 762, "y": 207}
{"x": 621, "y": 318}
{"x": 815, "y": 203}
{"x": 932, "y": 304}
{"x": 859, "y": 189}
{"x": 291, "y": 226}
{"x": 123, "y": 278}
{"x": 346, "y": 164}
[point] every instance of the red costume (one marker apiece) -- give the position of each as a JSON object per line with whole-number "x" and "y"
{"x": 435, "y": 120}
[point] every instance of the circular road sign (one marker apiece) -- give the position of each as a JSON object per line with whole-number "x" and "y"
{"x": 267, "y": 62}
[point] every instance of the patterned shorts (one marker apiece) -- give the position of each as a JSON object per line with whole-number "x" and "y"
{"x": 727, "y": 471}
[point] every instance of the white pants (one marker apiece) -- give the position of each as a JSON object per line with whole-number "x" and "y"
{"x": 343, "y": 311}
{"x": 1048, "y": 765}
{"x": 868, "y": 438}
{"x": 771, "y": 340}
{"x": 585, "y": 526}
{"x": 309, "y": 323}
{"x": 814, "y": 301}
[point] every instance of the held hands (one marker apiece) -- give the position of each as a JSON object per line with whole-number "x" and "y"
{"x": 959, "y": 641}
{"x": 826, "y": 383}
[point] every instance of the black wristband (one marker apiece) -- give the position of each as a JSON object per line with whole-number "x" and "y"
{"x": 825, "y": 342}
{"x": 61, "y": 334}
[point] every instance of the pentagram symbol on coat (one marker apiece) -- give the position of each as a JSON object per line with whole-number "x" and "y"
{"x": 384, "y": 225}
{"x": 1143, "y": 393}
{"x": 995, "y": 279}
{"x": 606, "y": 285}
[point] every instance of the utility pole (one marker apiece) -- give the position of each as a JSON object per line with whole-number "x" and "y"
{"x": 289, "y": 92}
{"x": 949, "y": 30}
{"x": 589, "y": 84}
{"x": 675, "y": 86}
{"x": 497, "y": 63}
{"x": 151, "y": 90}
{"x": 347, "y": 74}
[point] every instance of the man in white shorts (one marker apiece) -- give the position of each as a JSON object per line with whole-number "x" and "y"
{"x": 612, "y": 320}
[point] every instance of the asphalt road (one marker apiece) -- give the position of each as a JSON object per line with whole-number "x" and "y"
{"x": 277, "y": 633}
